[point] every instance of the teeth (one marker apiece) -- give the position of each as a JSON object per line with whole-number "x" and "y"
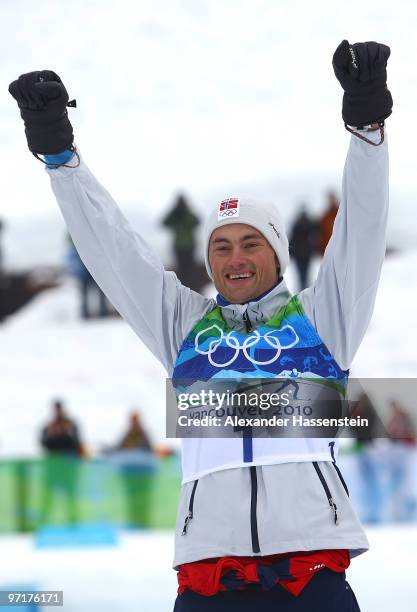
{"x": 244, "y": 275}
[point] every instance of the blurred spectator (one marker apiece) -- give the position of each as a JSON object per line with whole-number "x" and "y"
{"x": 137, "y": 466}
{"x": 401, "y": 463}
{"x": 135, "y": 436}
{"x": 303, "y": 236}
{"x": 371, "y": 490}
{"x": 88, "y": 286}
{"x": 326, "y": 221}
{"x": 60, "y": 438}
{"x": 365, "y": 409}
{"x": 400, "y": 426}
{"x": 60, "y": 435}
{"x": 182, "y": 222}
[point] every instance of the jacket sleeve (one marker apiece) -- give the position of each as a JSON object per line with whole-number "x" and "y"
{"x": 160, "y": 310}
{"x": 341, "y": 301}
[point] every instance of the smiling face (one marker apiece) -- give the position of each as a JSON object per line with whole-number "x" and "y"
{"x": 243, "y": 263}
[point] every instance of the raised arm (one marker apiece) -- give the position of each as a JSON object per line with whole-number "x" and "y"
{"x": 154, "y": 303}
{"x": 341, "y": 301}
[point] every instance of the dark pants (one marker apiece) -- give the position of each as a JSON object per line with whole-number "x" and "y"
{"x": 303, "y": 266}
{"x": 89, "y": 288}
{"x": 326, "y": 592}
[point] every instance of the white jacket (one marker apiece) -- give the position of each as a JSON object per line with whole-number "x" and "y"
{"x": 271, "y": 508}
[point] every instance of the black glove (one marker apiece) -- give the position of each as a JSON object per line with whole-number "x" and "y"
{"x": 362, "y": 72}
{"x": 42, "y": 99}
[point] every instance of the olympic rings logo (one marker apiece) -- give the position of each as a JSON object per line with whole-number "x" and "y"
{"x": 228, "y": 212}
{"x": 249, "y": 343}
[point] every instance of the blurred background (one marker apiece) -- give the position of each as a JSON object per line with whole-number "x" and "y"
{"x": 181, "y": 104}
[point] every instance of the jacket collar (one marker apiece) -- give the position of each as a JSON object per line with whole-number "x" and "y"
{"x": 244, "y": 317}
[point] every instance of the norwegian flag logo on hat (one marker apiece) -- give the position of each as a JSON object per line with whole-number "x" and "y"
{"x": 228, "y": 208}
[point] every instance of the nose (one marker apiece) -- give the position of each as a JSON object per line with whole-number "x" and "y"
{"x": 238, "y": 258}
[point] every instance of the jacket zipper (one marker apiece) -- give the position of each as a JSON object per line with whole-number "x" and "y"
{"x": 189, "y": 516}
{"x": 253, "y": 514}
{"x": 247, "y": 321}
{"x": 342, "y": 480}
{"x": 253, "y": 477}
{"x": 331, "y": 501}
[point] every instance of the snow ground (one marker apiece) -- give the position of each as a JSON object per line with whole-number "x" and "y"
{"x": 137, "y": 574}
{"x": 100, "y": 369}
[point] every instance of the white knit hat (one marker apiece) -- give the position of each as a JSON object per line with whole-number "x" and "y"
{"x": 261, "y": 215}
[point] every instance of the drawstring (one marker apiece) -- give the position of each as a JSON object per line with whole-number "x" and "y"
{"x": 374, "y": 144}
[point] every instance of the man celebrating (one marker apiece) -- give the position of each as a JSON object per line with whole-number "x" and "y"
{"x": 271, "y": 527}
